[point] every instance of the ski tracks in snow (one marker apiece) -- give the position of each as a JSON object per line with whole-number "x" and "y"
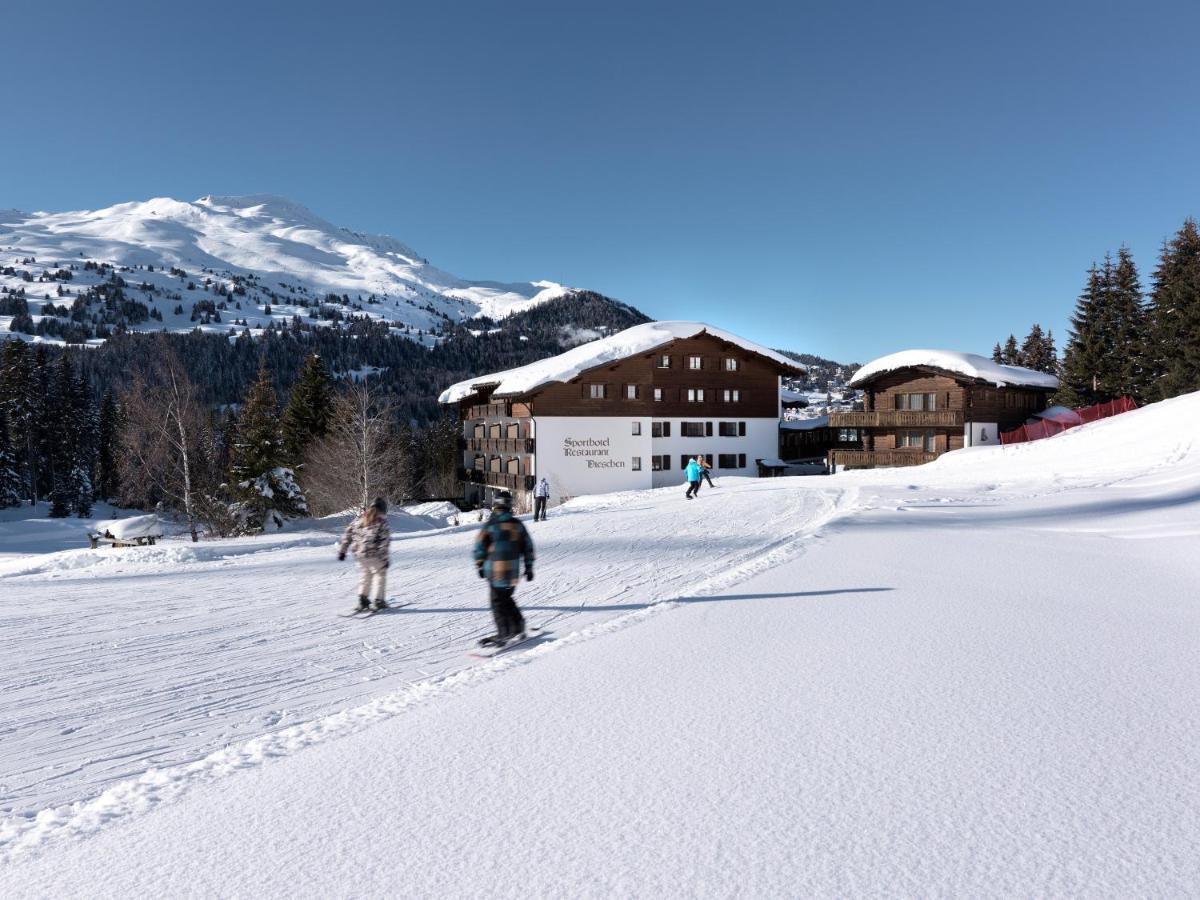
{"x": 164, "y": 694}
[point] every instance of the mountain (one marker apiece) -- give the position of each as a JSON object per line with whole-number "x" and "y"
{"x": 222, "y": 262}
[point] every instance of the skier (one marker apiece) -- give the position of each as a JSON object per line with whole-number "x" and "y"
{"x": 369, "y": 537}
{"x": 693, "y": 478}
{"x": 499, "y": 548}
{"x": 541, "y": 496}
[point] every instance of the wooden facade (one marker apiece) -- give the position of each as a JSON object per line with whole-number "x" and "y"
{"x": 701, "y": 377}
{"x": 913, "y": 415}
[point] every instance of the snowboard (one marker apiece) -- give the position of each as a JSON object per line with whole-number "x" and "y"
{"x": 531, "y": 634}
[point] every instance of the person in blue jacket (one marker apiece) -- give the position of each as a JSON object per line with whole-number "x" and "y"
{"x": 693, "y": 478}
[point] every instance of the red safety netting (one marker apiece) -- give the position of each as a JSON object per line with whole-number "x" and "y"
{"x": 1049, "y": 427}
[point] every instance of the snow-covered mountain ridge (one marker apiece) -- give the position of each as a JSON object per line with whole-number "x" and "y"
{"x": 222, "y": 262}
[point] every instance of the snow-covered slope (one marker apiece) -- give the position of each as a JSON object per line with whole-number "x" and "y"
{"x": 243, "y": 254}
{"x": 974, "y": 678}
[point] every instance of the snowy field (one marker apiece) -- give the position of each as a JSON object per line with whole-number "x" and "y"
{"x": 976, "y": 678}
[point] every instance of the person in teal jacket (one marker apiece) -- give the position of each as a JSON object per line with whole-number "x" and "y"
{"x": 693, "y": 478}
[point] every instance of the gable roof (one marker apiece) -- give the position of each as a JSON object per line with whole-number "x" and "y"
{"x": 622, "y": 345}
{"x": 969, "y": 365}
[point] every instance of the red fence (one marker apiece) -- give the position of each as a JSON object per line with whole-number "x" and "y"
{"x": 1049, "y": 427}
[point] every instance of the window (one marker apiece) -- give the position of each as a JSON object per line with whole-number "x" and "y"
{"x": 635, "y": 463}
{"x": 480, "y": 432}
{"x": 514, "y": 431}
{"x": 637, "y": 428}
{"x": 727, "y": 429}
{"x": 664, "y": 362}
{"x": 631, "y": 392}
{"x": 727, "y": 461}
{"x": 512, "y": 466}
{"x": 733, "y": 396}
{"x": 684, "y": 460}
{"x": 691, "y": 429}
{"x": 916, "y": 401}
{"x": 917, "y": 440}
{"x": 658, "y": 395}
{"x": 731, "y": 364}
{"x": 495, "y": 432}
{"x": 847, "y": 435}
{"x": 695, "y": 395}
{"x": 695, "y": 362}
{"x": 660, "y": 429}
{"x": 656, "y": 463}
{"x": 597, "y": 391}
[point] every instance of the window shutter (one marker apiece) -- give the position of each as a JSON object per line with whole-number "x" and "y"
{"x": 586, "y": 391}
{"x": 666, "y": 429}
{"x": 741, "y": 429}
{"x": 741, "y": 460}
{"x": 708, "y": 429}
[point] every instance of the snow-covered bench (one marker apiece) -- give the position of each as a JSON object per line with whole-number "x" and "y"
{"x": 135, "y": 531}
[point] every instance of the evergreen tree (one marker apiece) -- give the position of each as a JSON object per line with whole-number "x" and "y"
{"x": 1011, "y": 355}
{"x": 10, "y": 478}
{"x": 1175, "y": 315}
{"x": 997, "y": 353}
{"x": 309, "y": 408}
{"x": 19, "y": 399}
{"x": 108, "y": 448}
{"x": 1085, "y": 345}
{"x": 1037, "y": 351}
{"x": 257, "y": 462}
{"x": 1128, "y": 372}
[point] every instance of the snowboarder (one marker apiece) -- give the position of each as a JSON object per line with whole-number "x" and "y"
{"x": 693, "y": 478}
{"x": 369, "y": 538}
{"x": 499, "y": 548}
{"x": 541, "y": 496}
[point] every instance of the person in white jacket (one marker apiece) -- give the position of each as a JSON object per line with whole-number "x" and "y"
{"x": 541, "y": 496}
{"x": 370, "y": 538}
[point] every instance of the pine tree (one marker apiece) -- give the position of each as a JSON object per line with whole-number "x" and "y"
{"x": 997, "y": 353}
{"x": 10, "y": 478}
{"x": 257, "y": 462}
{"x": 309, "y": 408}
{"x": 108, "y": 449}
{"x": 1081, "y": 359}
{"x": 19, "y": 399}
{"x": 1175, "y": 315}
{"x": 1011, "y": 355}
{"x": 1128, "y": 372}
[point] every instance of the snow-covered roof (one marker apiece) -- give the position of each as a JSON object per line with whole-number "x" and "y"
{"x": 788, "y": 396}
{"x": 623, "y": 344}
{"x": 969, "y": 364}
{"x": 805, "y": 424}
{"x": 131, "y": 528}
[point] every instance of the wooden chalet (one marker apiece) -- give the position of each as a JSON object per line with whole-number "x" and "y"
{"x": 919, "y": 404}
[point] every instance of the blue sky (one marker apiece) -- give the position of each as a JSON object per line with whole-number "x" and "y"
{"x": 846, "y": 179}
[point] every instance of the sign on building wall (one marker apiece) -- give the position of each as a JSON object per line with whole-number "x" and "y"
{"x": 592, "y": 455}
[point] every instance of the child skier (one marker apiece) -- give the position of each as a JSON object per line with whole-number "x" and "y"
{"x": 369, "y": 537}
{"x": 499, "y": 548}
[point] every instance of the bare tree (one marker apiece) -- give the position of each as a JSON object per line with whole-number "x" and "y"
{"x": 164, "y": 419}
{"x": 353, "y": 463}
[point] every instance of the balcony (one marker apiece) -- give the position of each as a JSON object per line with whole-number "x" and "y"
{"x": 879, "y": 459}
{"x": 497, "y": 479}
{"x": 489, "y": 410}
{"x": 898, "y": 418}
{"x": 497, "y": 445}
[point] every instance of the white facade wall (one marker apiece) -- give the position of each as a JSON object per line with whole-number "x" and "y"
{"x": 596, "y": 455}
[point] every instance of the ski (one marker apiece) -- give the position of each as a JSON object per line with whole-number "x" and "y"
{"x": 367, "y": 613}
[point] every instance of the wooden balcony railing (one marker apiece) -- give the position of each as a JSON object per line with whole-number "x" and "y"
{"x": 892, "y": 418}
{"x": 489, "y": 410}
{"x": 871, "y": 459}
{"x": 497, "y": 445}
{"x": 497, "y": 479}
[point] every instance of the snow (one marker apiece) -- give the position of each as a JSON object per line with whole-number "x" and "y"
{"x": 131, "y": 528}
{"x": 805, "y": 424}
{"x": 292, "y": 252}
{"x": 969, "y": 364}
{"x": 630, "y": 342}
{"x": 853, "y": 685}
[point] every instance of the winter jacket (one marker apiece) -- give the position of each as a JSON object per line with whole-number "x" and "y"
{"x": 542, "y": 489}
{"x": 499, "y": 548}
{"x": 693, "y": 470}
{"x": 367, "y": 540}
